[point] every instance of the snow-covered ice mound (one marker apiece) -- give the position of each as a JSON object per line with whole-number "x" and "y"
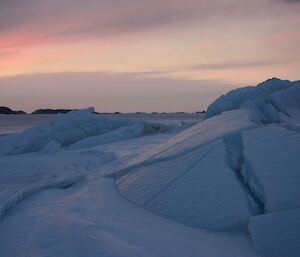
{"x": 274, "y": 100}
{"x": 241, "y": 162}
{"x": 78, "y": 129}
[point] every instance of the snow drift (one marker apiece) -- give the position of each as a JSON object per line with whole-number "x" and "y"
{"x": 78, "y": 129}
{"x": 241, "y": 162}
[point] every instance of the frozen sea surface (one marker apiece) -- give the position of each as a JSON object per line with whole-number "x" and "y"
{"x": 226, "y": 186}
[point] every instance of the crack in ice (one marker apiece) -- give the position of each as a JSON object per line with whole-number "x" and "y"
{"x": 237, "y": 163}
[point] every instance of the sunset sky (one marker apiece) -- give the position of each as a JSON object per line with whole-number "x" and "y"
{"x": 142, "y": 55}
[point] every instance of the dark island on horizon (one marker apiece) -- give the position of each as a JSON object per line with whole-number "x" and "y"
{"x": 6, "y": 110}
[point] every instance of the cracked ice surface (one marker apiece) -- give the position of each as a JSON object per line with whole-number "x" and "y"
{"x": 251, "y": 144}
{"x": 194, "y": 137}
{"x": 188, "y": 179}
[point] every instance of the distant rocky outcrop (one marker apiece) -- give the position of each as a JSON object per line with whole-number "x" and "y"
{"x": 6, "y": 110}
{"x": 51, "y": 111}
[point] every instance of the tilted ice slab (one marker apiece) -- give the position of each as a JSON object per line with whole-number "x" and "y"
{"x": 274, "y": 100}
{"x": 194, "y": 137}
{"x": 189, "y": 178}
{"x": 198, "y": 189}
{"x": 272, "y": 166}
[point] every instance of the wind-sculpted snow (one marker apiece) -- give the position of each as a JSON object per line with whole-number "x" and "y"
{"x": 60, "y": 182}
{"x": 274, "y": 100}
{"x": 78, "y": 129}
{"x": 24, "y": 175}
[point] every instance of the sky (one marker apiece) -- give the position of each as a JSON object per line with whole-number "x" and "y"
{"x": 142, "y": 55}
